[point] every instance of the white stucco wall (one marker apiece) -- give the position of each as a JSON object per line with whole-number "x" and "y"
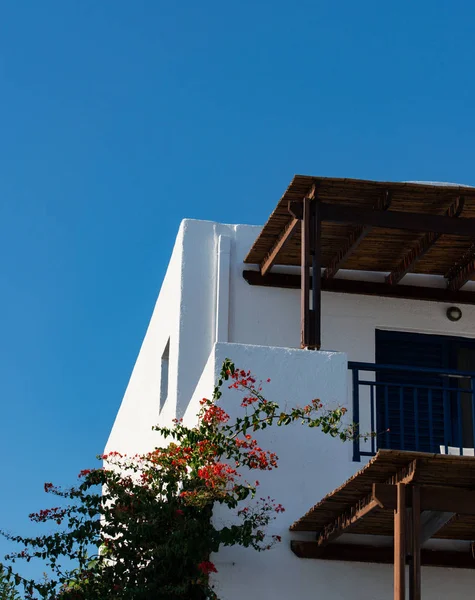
{"x": 197, "y": 282}
{"x": 261, "y": 325}
{"x": 310, "y": 465}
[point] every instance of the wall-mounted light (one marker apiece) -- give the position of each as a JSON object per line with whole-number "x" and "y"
{"x": 454, "y": 313}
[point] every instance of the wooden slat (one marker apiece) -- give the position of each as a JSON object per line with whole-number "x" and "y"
{"x": 365, "y": 288}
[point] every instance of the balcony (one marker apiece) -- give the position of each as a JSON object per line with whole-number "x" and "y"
{"x": 412, "y": 408}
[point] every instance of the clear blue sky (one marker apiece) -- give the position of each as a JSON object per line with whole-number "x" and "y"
{"x": 118, "y": 119}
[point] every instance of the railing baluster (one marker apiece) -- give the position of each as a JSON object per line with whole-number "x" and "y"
{"x": 472, "y": 389}
{"x": 356, "y": 415}
{"x": 431, "y": 422}
{"x": 416, "y": 416}
{"x": 459, "y": 422}
{"x": 386, "y": 413}
{"x": 401, "y": 416}
{"x": 446, "y": 420}
{"x": 373, "y": 427}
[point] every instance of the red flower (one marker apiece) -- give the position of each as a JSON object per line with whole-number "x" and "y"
{"x": 48, "y": 486}
{"x": 215, "y": 414}
{"x": 207, "y": 567}
{"x": 179, "y": 512}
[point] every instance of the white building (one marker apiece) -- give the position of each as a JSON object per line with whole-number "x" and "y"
{"x": 207, "y": 310}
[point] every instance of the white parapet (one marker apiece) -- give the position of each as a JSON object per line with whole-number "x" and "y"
{"x": 310, "y": 463}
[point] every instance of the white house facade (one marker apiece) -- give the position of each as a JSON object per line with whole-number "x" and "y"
{"x": 209, "y": 308}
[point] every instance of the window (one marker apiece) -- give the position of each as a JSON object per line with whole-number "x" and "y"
{"x": 165, "y": 366}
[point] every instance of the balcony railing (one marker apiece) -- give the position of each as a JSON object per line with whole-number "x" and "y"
{"x": 412, "y": 408}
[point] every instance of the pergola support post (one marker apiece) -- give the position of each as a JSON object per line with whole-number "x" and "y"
{"x": 305, "y": 276}
{"x": 311, "y": 264}
{"x": 400, "y": 544}
{"x": 415, "y": 563}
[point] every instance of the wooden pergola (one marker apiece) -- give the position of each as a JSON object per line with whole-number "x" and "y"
{"x": 325, "y": 224}
{"x": 408, "y": 497}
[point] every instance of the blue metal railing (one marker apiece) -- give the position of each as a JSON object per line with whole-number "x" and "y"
{"x": 412, "y": 408}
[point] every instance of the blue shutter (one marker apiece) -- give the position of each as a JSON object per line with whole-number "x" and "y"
{"x": 401, "y": 408}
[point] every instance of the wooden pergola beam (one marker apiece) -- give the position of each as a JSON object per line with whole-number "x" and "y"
{"x": 284, "y": 238}
{"x": 354, "y": 239}
{"x": 346, "y": 520}
{"x": 365, "y": 288}
{"x": 422, "y": 247}
{"x": 405, "y": 221}
{"x": 365, "y": 506}
{"x": 380, "y": 554}
{"x": 463, "y": 271}
{"x": 433, "y": 498}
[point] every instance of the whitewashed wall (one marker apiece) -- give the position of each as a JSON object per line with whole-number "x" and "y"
{"x": 204, "y": 299}
{"x": 205, "y": 272}
{"x": 311, "y": 465}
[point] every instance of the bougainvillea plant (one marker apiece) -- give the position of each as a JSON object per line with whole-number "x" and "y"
{"x": 140, "y": 527}
{"x": 7, "y": 588}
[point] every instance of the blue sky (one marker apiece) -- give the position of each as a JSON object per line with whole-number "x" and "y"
{"x": 118, "y": 119}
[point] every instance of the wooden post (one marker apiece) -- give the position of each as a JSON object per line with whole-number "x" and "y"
{"x": 316, "y": 334}
{"x": 415, "y": 580}
{"x": 311, "y": 259}
{"x": 400, "y": 544}
{"x": 305, "y": 275}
